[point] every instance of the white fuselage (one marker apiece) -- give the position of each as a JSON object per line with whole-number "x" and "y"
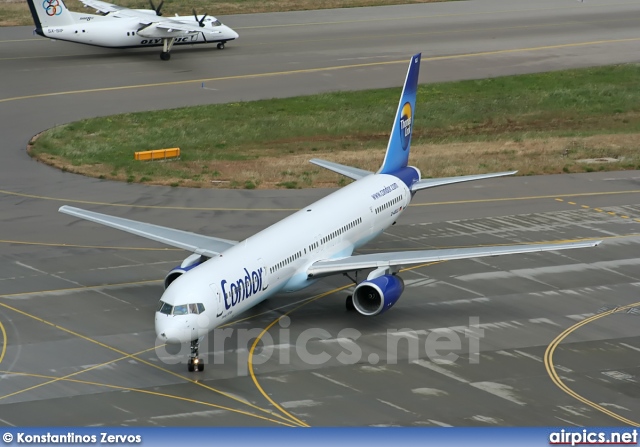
{"x": 116, "y": 32}
{"x": 277, "y": 258}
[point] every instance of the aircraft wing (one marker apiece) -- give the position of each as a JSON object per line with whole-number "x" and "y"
{"x": 165, "y": 25}
{"x": 433, "y": 182}
{"x": 202, "y": 245}
{"x": 104, "y": 7}
{"x": 347, "y": 171}
{"x": 406, "y": 258}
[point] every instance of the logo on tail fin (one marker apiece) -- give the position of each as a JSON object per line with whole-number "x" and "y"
{"x": 52, "y": 7}
{"x": 405, "y": 125}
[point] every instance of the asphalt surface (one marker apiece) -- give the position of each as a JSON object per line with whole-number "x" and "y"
{"x": 537, "y": 339}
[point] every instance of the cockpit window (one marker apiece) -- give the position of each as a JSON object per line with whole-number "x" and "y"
{"x": 180, "y": 310}
{"x": 216, "y": 23}
{"x": 165, "y": 308}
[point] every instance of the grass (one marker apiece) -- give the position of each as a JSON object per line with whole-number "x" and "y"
{"x": 16, "y": 12}
{"x": 540, "y": 123}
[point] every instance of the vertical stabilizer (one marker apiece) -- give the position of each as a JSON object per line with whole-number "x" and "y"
{"x": 49, "y": 13}
{"x": 400, "y": 140}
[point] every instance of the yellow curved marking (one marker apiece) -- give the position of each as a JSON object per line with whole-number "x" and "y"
{"x": 506, "y": 199}
{"x": 68, "y": 376}
{"x": 21, "y": 40}
{"x": 369, "y": 37}
{"x": 4, "y": 342}
{"x": 321, "y": 69}
{"x": 157, "y": 207}
{"x": 429, "y": 16}
{"x": 389, "y": 19}
{"x": 265, "y": 330}
{"x": 77, "y": 289}
{"x": 153, "y": 393}
{"x": 91, "y": 340}
{"x": 259, "y": 337}
{"x": 555, "y": 378}
{"x": 185, "y": 208}
{"x": 432, "y": 33}
{"x": 50, "y": 244}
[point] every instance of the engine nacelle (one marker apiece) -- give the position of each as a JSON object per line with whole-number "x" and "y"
{"x": 374, "y": 296}
{"x": 189, "y": 263}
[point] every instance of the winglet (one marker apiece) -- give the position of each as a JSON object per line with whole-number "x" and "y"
{"x": 397, "y": 155}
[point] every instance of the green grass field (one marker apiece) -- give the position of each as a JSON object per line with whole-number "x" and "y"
{"x": 541, "y": 123}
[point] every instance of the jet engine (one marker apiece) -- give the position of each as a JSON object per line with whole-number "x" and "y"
{"x": 375, "y": 296}
{"x": 189, "y": 263}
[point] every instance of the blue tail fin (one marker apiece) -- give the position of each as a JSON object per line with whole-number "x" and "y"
{"x": 397, "y": 155}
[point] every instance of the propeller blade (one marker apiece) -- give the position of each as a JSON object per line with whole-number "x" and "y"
{"x": 157, "y": 10}
{"x": 200, "y": 21}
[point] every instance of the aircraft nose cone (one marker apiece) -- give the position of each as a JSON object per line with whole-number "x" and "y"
{"x": 233, "y": 34}
{"x": 171, "y": 331}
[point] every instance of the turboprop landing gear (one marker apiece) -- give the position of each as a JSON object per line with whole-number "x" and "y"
{"x": 195, "y": 363}
{"x": 221, "y": 46}
{"x": 166, "y": 48}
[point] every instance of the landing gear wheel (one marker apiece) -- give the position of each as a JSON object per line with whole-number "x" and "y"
{"x": 195, "y": 363}
{"x": 349, "y": 304}
{"x": 165, "y": 56}
{"x": 221, "y": 46}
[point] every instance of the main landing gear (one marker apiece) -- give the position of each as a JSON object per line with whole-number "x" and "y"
{"x": 195, "y": 363}
{"x": 349, "y": 304}
{"x": 166, "y": 48}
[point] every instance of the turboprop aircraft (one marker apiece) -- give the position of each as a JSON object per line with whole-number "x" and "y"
{"x": 223, "y": 278}
{"x": 119, "y": 27}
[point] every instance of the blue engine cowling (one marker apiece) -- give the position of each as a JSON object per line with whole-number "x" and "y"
{"x": 374, "y": 296}
{"x": 189, "y": 263}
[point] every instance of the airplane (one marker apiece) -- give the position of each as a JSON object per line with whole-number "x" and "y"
{"x": 120, "y": 27}
{"x": 224, "y": 278}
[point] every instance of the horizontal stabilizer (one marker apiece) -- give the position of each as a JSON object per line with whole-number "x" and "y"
{"x": 203, "y": 245}
{"x": 433, "y": 182}
{"x": 401, "y": 259}
{"x": 348, "y": 171}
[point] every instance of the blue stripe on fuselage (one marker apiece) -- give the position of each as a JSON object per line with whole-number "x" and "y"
{"x": 409, "y": 175}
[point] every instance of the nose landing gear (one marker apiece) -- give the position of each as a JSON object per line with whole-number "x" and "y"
{"x": 195, "y": 363}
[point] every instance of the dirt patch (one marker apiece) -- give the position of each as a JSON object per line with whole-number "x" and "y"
{"x": 529, "y": 157}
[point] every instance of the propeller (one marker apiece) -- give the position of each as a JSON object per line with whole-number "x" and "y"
{"x": 158, "y": 9}
{"x": 200, "y": 21}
